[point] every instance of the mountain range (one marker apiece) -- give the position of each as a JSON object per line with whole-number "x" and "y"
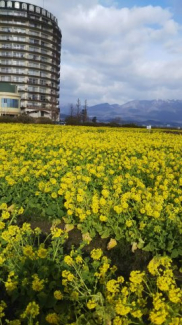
{"x": 143, "y": 112}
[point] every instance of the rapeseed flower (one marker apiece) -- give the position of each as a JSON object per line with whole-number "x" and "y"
{"x": 53, "y": 319}
{"x": 58, "y": 295}
{"x": 32, "y": 310}
{"x": 96, "y": 254}
{"x": 37, "y": 284}
{"x": 91, "y": 304}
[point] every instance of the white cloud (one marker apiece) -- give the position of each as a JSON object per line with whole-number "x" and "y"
{"x": 117, "y": 54}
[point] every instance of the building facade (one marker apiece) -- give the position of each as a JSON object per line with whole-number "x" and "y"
{"x": 30, "y": 51}
{"x": 9, "y": 100}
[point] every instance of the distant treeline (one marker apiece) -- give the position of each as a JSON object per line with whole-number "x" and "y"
{"x": 78, "y": 115}
{"x": 25, "y": 119}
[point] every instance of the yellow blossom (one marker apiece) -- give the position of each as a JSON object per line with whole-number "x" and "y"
{"x": 32, "y": 310}
{"x": 53, "y": 319}
{"x": 96, "y": 254}
{"x": 122, "y": 309}
{"x": 58, "y": 295}
{"x": 68, "y": 260}
{"x": 91, "y": 304}
{"x": 112, "y": 286}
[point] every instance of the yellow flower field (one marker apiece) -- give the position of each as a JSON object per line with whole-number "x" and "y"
{"x": 122, "y": 186}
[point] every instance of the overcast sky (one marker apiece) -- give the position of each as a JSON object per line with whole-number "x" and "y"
{"x": 119, "y": 50}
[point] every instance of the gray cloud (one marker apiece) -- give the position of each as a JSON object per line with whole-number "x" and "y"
{"x": 116, "y": 55}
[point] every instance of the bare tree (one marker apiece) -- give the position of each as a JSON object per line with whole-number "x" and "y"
{"x": 72, "y": 110}
{"x": 78, "y": 111}
{"x": 84, "y": 113}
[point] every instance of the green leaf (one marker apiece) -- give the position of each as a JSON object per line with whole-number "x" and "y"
{"x": 149, "y": 248}
{"x": 106, "y": 233}
{"x": 49, "y": 211}
{"x": 175, "y": 253}
{"x": 42, "y": 297}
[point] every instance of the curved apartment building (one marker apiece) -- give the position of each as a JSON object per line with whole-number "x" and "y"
{"x": 30, "y": 50}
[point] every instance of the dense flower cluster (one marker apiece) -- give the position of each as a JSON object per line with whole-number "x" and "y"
{"x": 124, "y": 186}
{"x": 117, "y": 183}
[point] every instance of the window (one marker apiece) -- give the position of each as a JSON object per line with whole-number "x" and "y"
{"x": 24, "y": 6}
{"x": 18, "y": 79}
{"x": 42, "y": 97}
{"x": 5, "y": 70}
{"x": 43, "y": 66}
{"x": 43, "y": 51}
{"x": 19, "y": 71}
{"x": 19, "y": 30}
{"x": 18, "y": 46}
{"x": 21, "y": 88}
{"x": 43, "y": 74}
{"x": 9, "y": 102}
{"x": 31, "y": 8}
{"x": 17, "y": 38}
{"x": 44, "y": 35}
{"x": 6, "y": 53}
{"x": 18, "y": 54}
{"x": 42, "y": 82}
{"x": 6, "y": 46}
{"x": 33, "y": 72}
{"x": 48, "y": 14}
{"x": 17, "y": 5}
{"x": 2, "y": 4}
{"x": 9, "y": 4}
{"x": 38, "y": 10}
{"x": 33, "y": 81}
{"x": 43, "y": 12}
{"x": 6, "y": 62}
{"x": 34, "y": 25}
{"x": 5, "y": 78}
{"x": 43, "y": 59}
{"x": 33, "y": 49}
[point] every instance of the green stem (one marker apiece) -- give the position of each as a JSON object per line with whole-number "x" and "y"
{"x": 78, "y": 273}
{"x": 56, "y": 250}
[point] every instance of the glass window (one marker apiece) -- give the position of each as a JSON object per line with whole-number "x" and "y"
{"x": 31, "y": 8}
{"x": 2, "y": 4}
{"x": 18, "y": 54}
{"x": 17, "y": 5}
{"x": 18, "y": 79}
{"x": 43, "y": 12}
{"x": 42, "y": 97}
{"x": 48, "y": 14}
{"x": 5, "y": 78}
{"x": 9, "y": 4}
{"x": 24, "y": 6}
{"x": 38, "y": 10}
{"x": 9, "y": 102}
{"x": 21, "y": 87}
{"x": 42, "y": 82}
{"x": 43, "y": 59}
{"x": 33, "y": 81}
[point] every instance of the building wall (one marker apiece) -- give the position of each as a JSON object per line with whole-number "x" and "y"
{"x": 9, "y": 104}
{"x": 30, "y": 48}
